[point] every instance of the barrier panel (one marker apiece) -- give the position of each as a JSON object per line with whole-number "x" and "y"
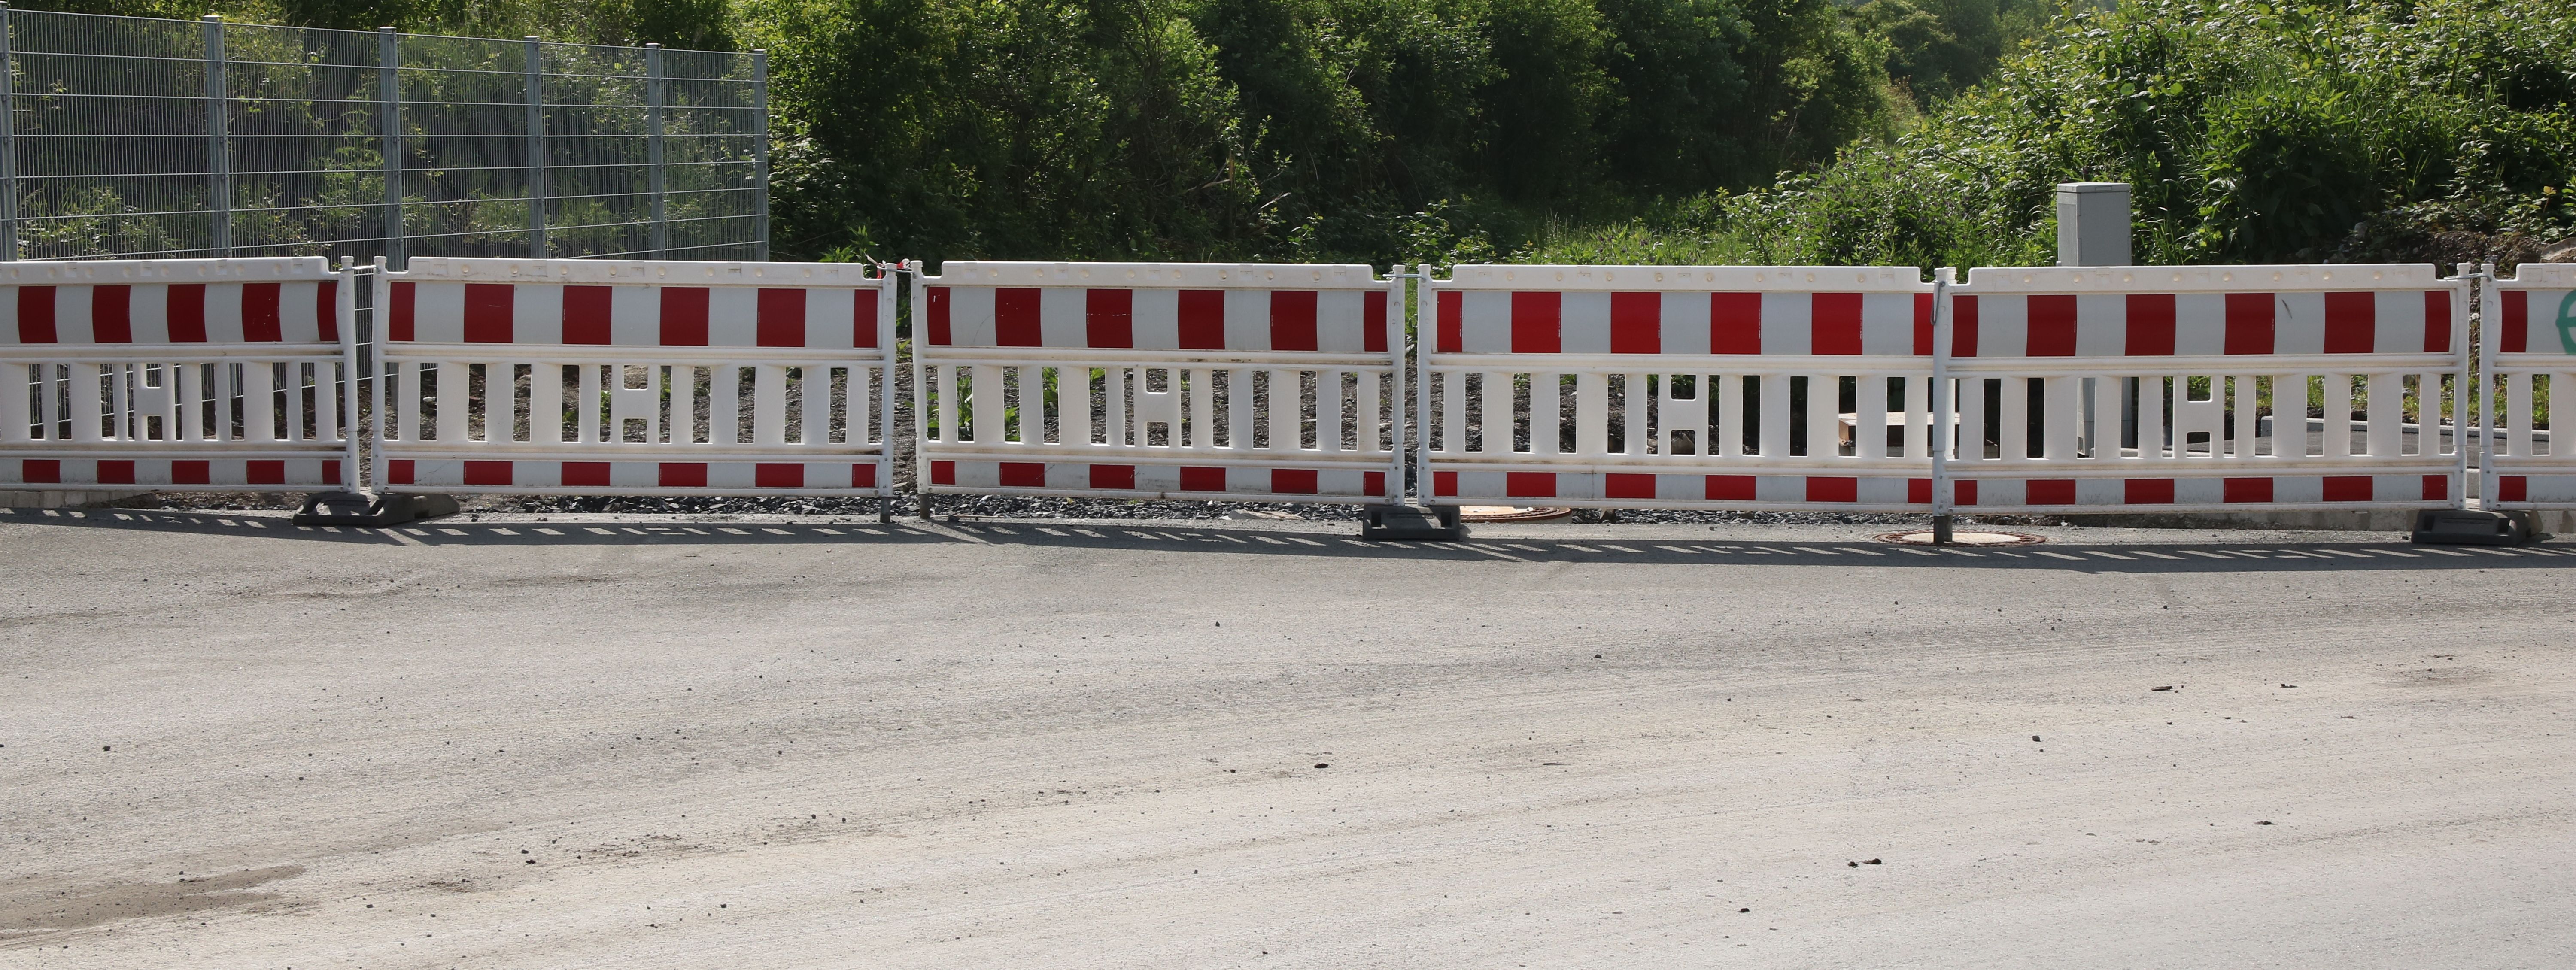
{"x": 2529, "y": 351}
{"x": 594, "y": 377}
{"x": 1736, "y": 387}
{"x": 180, "y": 374}
{"x": 2207, "y": 388}
{"x": 1172, "y": 380}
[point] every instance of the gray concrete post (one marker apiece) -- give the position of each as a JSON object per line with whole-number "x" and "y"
{"x": 2093, "y": 230}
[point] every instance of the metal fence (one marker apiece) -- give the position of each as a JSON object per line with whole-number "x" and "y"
{"x": 133, "y": 137}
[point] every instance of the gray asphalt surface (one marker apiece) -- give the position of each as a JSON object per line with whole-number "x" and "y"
{"x": 226, "y": 742}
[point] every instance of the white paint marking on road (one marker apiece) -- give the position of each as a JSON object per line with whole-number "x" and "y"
{"x": 2107, "y": 555}
{"x": 2156, "y": 555}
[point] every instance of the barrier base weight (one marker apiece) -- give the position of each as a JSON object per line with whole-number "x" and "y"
{"x": 1409, "y": 522}
{"x": 354, "y": 509}
{"x": 2465, "y": 527}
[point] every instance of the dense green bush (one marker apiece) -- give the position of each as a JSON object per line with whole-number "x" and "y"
{"x": 2251, "y": 131}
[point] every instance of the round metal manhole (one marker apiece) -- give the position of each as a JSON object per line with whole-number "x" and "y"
{"x": 1965, "y": 537}
{"x": 1511, "y": 513}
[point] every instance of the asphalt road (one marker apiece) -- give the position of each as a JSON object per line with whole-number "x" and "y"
{"x": 225, "y": 742}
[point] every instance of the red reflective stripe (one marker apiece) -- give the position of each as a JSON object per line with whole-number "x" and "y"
{"x": 778, "y": 474}
{"x": 202, "y": 473}
{"x": 399, "y": 470}
{"x": 2516, "y": 338}
{"x": 2352, "y": 323}
{"x": 1637, "y": 324}
{"x": 1373, "y": 483}
{"x": 1114, "y": 477}
{"x": 1373, "y": 321}
{"x": 1444, "y": 483}
{"x": 488, "y": 313}
{"x": 121, "y": 472}
{"x": 2052, "y": 326}
{"x": 585, "y": 315}
{"x": 36, "y": 315}
{"x": 1923, "y": 333}
{"x": 2151, "y": 325}
{"x": 268, "y": 471}
{"x": 1529, "y": 484}
{"x": 2348, "y": 488}
{"x": 1453, "y": 324}
{"x": 1617, "y": 485}
{"x": 939, "y": 316}
{"x": 41, "y": 471}
{"x": 2148, "y": 491}
{"x": 2245, "y": 490}
{"x": 1963, "y": 327}
{"x": 488, "y": 473}
{"x": 1023, "y": 474}
{"x": 1292, "y": 320}
{"x": 863, "y": 319}
{"x": 2249, "y": 323}
{"x": 1964, "y": 493}
{"x": 2513, "y": 488}
{"x": 1918, "y": 491}
{"x": 1015, "y": 318}
{"x": 2437, "y": 488}
{"x": 2049, "y": 491}
{"x": 260, "y": 322}
{"x": 1833, "y": 489}
{"x": 1109, "y": 319}
{"x": 111, "y": 317}
{"x": 2437, "y": 322}
{"x": 1728, "y": 488}
{"x": 1202, "y": 319}
{"x": 585, "y": 473}
{"x": 1834, "y": 326}
{"x": 326, "y": 312}
{"x": 1735, "y": 323}
{"x": 1293, "y": 481}
{"x": 943, "y": 473}
{"x": 684, "y": 474}
{"x": 684, "y": 324}
{"x": 1196, "y": 479}
{"x": 778, "y": 319}
{"x": 863, "y": 475}
{"x": 186, "y": 312}
{"x": 1537, "y": 323}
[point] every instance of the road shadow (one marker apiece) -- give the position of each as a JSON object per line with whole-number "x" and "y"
{"x": 1224, "y": 539}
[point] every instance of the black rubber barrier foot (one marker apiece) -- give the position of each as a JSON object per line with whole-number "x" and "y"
{"x": 2465, "y": 527}
{"x": 353, "y": 509}
{"x": 1409, "y": 522}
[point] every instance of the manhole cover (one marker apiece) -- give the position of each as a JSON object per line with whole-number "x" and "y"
{"x": 1965, "y": 537}
{"x": 1511, "y": 513}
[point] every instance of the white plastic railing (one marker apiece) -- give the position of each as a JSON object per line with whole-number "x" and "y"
{"x": 634, "y": 378}
{"x": 2529, "y": 351}
{"x": 195, "y": 374}
{"x": 1739, "y": 387}
{"x": 1181, "y": 380}
{"x": 2147, "y": 388}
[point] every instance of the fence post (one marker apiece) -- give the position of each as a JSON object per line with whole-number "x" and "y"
{"x": 653, "y": 143}
{"x": 759, "y": 154}
{"x": 536, "y": 149}
{"x": 219, "y": 175}
{"x": 1945, "y": 433}
{"x": 8, "y": 142}
{"x": 389, "y": 118}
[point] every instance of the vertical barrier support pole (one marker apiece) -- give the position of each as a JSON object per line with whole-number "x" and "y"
{"x": 2486, "y": 389}
{"x": 1944, "y": 419}
{"x": 381, "y": 298}
{"x": 219, "y": 175}
{"x": 389, "y": 119}
{"x": 345, "y": 307}
{"x": 1396, "y": 433}
{"x": 889, "y": 347}
{"x": 536, "y": 149}
{"x": 653, "y": 145}
{"x": 1426, "y": 327}
{"x": 923, "y": 407}
{"x": 8, "y": 141}
{"x": 759, "y": 157}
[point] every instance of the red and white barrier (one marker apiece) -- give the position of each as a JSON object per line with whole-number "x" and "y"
{"x": 1678, "y": 387}
{"x": 634, "y": 378}
{"x": 195, "y": 374}
{"x": 2529, "y": 352}
{"x": 1182, "y": 380}
{"x": 2148, "y": 388}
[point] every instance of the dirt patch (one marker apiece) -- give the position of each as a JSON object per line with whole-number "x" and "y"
{"x": 72, "y": 909}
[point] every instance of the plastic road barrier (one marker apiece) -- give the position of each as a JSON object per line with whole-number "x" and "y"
{"x": 595, "y": 377}
{"x": 1736, "y": 387}
{"x": 176, "y": 374}
{"x": 1178, "y": 380}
